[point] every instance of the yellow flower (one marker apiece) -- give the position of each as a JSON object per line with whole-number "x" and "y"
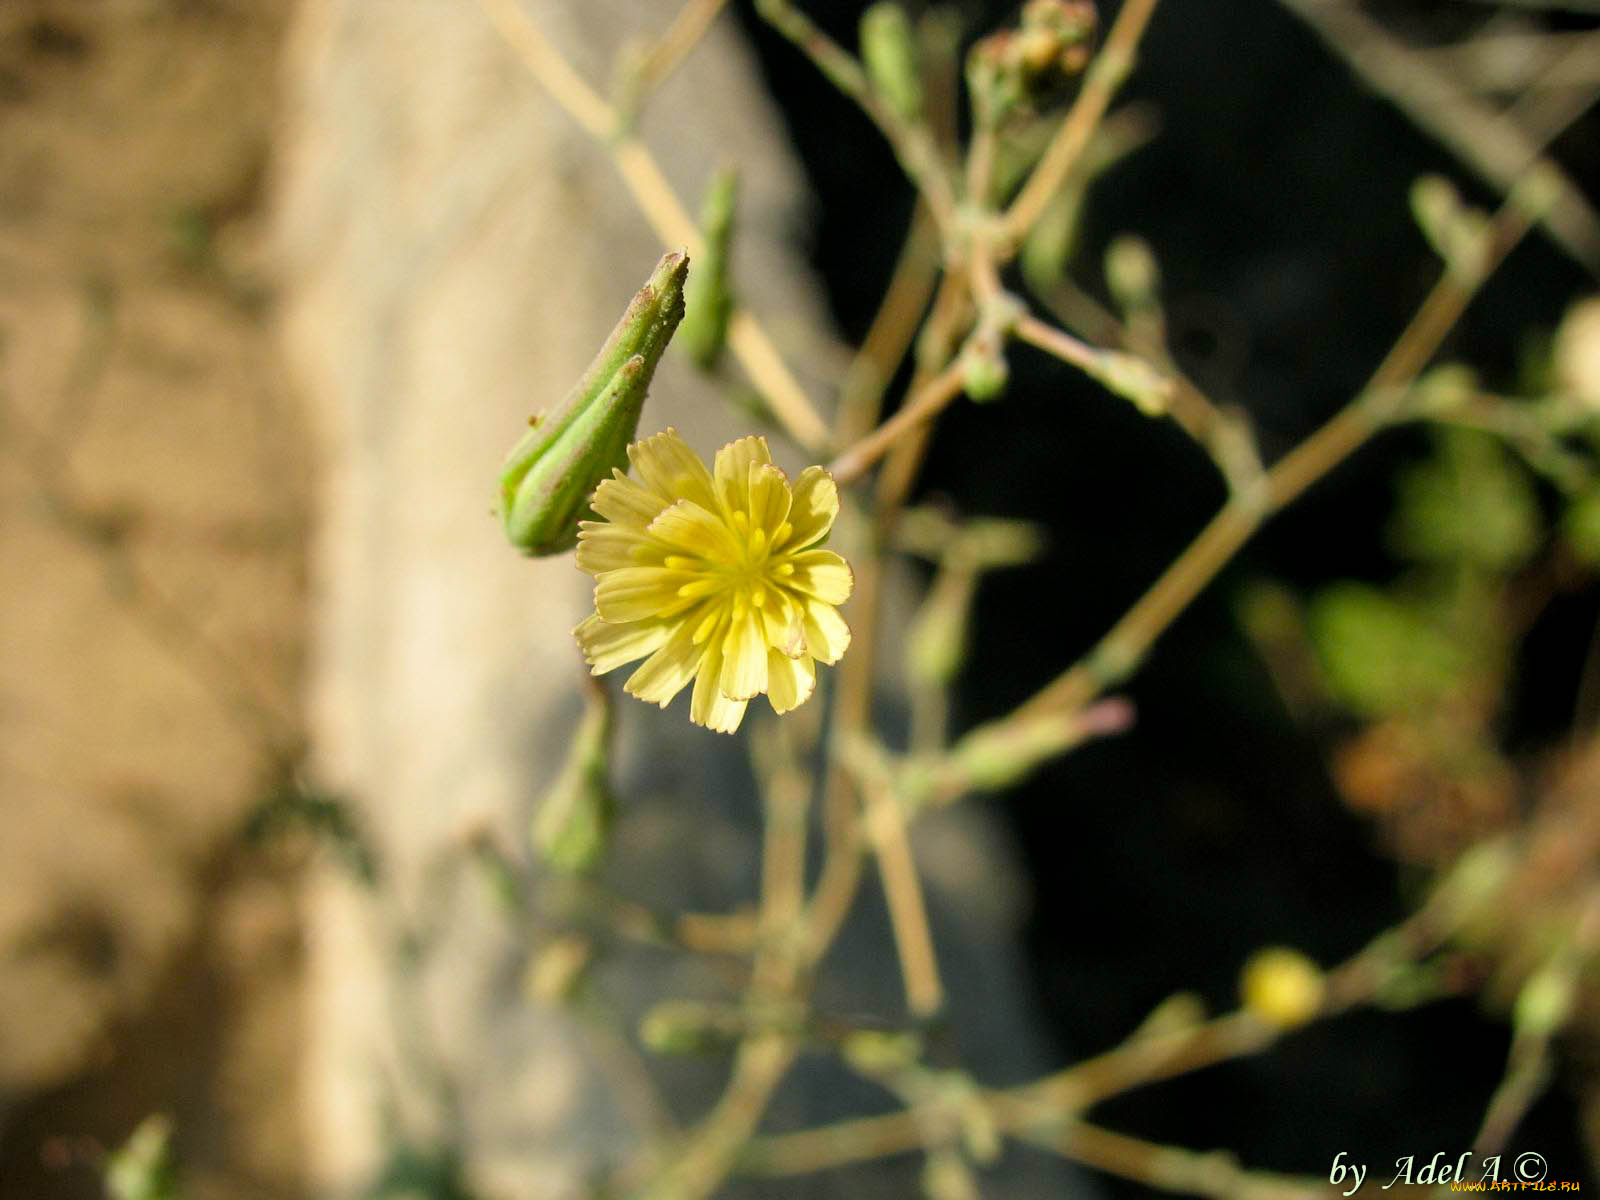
{"x": 716, "y": 576}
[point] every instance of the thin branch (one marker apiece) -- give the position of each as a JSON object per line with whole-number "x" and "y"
{"x": 661, "y": 208}
{"x": 1488, "y": 141}
{"x": 1104, "y": 76}
{"x": 912, "y": 142}
{"x": 920, "y": 407}
{"x": 893, "y": 329}
{"x": 681, "y": 37}
{"x": 1119, "y": 652}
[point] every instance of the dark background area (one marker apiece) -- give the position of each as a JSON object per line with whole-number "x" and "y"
{"x": 1275, "y": 198}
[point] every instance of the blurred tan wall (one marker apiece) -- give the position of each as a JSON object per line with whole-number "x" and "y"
{"x": 455, "y": 251}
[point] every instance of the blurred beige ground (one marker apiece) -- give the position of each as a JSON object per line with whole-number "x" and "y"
{"x": 152, "y": 514}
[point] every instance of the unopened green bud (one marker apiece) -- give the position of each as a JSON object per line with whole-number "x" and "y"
{"x": 1545, "y": 1003}
{"x": 936, "y": 643}
{"x": 1134, "y": 379}
{"x": 1458, "y": 233}
{"x": 881, "y": 1052}
{"x": 1132, "y": 275}
{"x": 551, "y": 473}
{"x": 889, "y": 54}
{"x": 143, "y": 1167}
{"x": 984, "y": 370}
{"x": 707, "y": 296}
{"x": 572, "y": 826}
{"x": 1447, "y": 386}
{"x": 994, "y": 81}
{"x": 686, "y": 1027}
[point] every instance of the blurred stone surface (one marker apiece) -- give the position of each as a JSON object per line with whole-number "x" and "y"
{"x": 152, "y": 504}
{"x": 454, "y": 250}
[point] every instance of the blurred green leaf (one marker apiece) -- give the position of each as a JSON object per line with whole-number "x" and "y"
{"x": 1581, "y": 525}
{"x": 143, "y": 1167}
{"x": 1471, "y": 503}
{"x": 1383, "y": 655}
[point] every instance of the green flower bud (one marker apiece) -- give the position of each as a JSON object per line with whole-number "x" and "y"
{"x": 1458, "y": 233}
{"x": 550, "y": 474}
{"x": 142, "y": 1168}
{"x": 1132, "y": 275}
{"x": 936, "y": 642}
{"x": 1545, "y": 1003}
{"x": 889, "y": 54}
{"x": 1134, "y": 379}
{"x": 573, "y": 825}
{"x": 984, "y": 370}
{"x": 707, "y": 298}
{"x": 688, "y": 1027}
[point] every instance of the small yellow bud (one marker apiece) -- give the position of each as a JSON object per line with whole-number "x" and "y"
{"x": 1577, "y": 352}
{"x": 1281, "y": 987}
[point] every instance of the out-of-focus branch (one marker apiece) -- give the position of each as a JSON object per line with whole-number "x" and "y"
{"x": 661, "y": 208}
{"x": 1488, "y": 141}
{"x": 1104, "y": 76}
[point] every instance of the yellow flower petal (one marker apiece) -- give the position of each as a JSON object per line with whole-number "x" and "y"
{"x": 606, "y": 547}
{"x": 744, "y": 657}
{"x": 816, "y": 504}
{"x": 714, "y": 576}
{"x": 688, "y": 527}
{"x": 668, "y": 671}
{"x": 780, "y": 619}
{"x": 790, "y": 681}
{"x": 769, "y": 499}
{"x": 669, "y": 468}
{"x": 823, "y": 574}
{"x": 732, "y": 471}
{"x": 607, "y": 645}
{"x": 827, "y": 636}
{"x": 636, "y": 593}
{"x": 709, "y": 707}
{"x": 623, "y": 502}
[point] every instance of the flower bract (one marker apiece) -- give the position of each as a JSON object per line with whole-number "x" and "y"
{"x": 715, "y": 577}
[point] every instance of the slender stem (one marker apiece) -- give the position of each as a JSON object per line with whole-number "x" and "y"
{"x": 1060, "y": 343}
{"x": 1171, "y": 1168}
{"x": 912, "y": 143}
{"x": 893, "y": 329}
{"x": 661, "y": 208}
{"x": 1104, "y": 76}
{"x": 681, "y": 37}
{"x": 908, "y": 914}
{"x": 759, "y": 1065}
{"x": 919, "y": 408}
{"x": 1121, "y": 649}
{"x": 1048, "y": 1109}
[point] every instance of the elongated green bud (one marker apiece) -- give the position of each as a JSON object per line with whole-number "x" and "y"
{"x": 707, "y": 297}
{"x": 889, "y": 54}
{"x": 573, "y": 825}
{"x": 550, "y": 474}
{"x": 142, "y": 1168}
